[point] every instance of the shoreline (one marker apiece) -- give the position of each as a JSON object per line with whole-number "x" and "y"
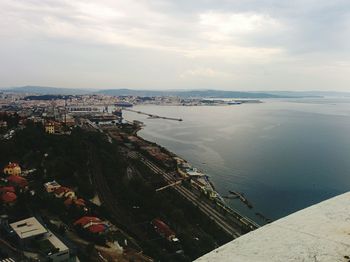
{"x": 204, "y": 185}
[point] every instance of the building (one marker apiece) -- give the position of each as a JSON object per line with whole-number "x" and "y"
{"x": 12, "y": 169}
{"x": 28, "y": 229}
{"x": 4, "y": 189}
{"x": 32, "y": 234}
{"x": 92, "y": 224}
{"x": 164, "y": 230}
{"x": 51, "y": 186}
{"x": 50, "y": 128}
{"x": 17, "y": 181}
{"x": 68, "y": 120}
{"x": 55, "y": 250}
{"x": 3, "y": 124}
{"x": 64, "y": 192}
{"x": 78, "y": 202}
{"x": 8, "y": 198}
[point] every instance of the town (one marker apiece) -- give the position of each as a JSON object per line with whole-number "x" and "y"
{"x": 79, "y": 184}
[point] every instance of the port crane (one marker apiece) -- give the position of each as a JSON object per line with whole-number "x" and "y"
{"x": 175, "y": 183}
{"x": 169, "y": 185}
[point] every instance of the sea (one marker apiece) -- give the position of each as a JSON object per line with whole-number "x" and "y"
{"x": 283, "y": 155}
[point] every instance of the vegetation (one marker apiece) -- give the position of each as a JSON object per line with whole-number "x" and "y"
{"x": 11, "y": 119}
{"x": 74, "y": 159}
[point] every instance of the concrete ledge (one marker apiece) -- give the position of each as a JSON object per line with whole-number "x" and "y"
{"x": 318, "y": 233}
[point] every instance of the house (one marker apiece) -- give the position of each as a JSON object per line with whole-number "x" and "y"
{"x": 64, "y": 192}
{"x": 8, "y": 198}
{"x": 51, "y": 186}
{"x": 12, "y": 169}
{"x": 3, "y": 124}
{"x": 17, "y": 181}
{"x": 92, "y": 224}
{"x": 7, "y": 189}
{"x": 53, "y": 248}
{"x": 50, "y": 128}
{"x": 32, "y": 234}
{"x": 164, "y": 230}
{"x": 78, "y": 203}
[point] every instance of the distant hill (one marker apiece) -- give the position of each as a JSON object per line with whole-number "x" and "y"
{"x": 310, "y": 93}
{"x": 45, "y": 90}
{"x": 47, "y": 97}
{"x": 189, "y": 93}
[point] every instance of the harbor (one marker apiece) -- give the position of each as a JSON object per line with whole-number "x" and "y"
{"x": 182, "y": 172}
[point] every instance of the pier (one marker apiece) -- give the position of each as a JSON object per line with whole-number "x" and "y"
{"x": 242, "y": 198}
{"x": 152, "y": 115}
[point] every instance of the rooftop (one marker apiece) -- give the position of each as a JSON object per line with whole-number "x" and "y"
{"x": 86, "y": 220}
{"x": 56, "y": 242}
{"x": 317, "y": 233}
{"x": 12, "y": 165}
{"x": 52, "y": 183}
{"x": 29, "y": 227}
{"x": 8, "y": 197}
{"x": 20, "y": 181}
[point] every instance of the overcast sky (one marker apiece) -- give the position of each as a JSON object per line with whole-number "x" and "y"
{"x": 176, "y": 44}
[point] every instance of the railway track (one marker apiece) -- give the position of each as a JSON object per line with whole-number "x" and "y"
{"x": 107, "y": 198}
{"x": 215, "y": 215}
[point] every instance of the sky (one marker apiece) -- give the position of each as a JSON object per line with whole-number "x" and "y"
{"x": 246, "y": 45}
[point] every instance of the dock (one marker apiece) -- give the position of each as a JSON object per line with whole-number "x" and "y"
{"x": 242, "y": 198}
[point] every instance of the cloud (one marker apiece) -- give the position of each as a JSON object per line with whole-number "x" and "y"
{"x": 192, "y": 39}
{"x": 203, "y": 73}
{"x": 229, "y": 26}
{"x": 135, "y": 25}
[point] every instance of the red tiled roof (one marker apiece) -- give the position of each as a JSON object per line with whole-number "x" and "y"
{"x": 68, "y": 202}
{"x": 97, "y": 228}
{"x": 86, "y": 219}
{"x": 7, "y": 189}
{"x": 8, "y": 197}
{"x": 78, "y": 202}
{"x": 162, "y": 228}
{"x": 12, "y": 165}
{"x": 62, "y": 189}
{"x": 19, "y": 181}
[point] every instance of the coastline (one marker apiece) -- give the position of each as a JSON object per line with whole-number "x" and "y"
{"x": 201, "y": 182}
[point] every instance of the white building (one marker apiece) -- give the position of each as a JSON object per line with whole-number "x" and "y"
{"x": 51, "y": 186}
{"x": 63, "y": 251}
{"x": 30, "y": 230}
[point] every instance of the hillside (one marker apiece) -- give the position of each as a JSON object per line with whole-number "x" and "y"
{"x": 45, "y": 90}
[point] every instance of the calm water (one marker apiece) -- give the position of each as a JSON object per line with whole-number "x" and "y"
{"x": 284, "y": 155}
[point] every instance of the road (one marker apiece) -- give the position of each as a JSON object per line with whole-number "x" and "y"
{"x": 221, "y": 220}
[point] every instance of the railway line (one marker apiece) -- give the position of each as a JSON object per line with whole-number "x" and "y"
{"x": 221, "y": 220}
{"x": 106, "y": 196}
